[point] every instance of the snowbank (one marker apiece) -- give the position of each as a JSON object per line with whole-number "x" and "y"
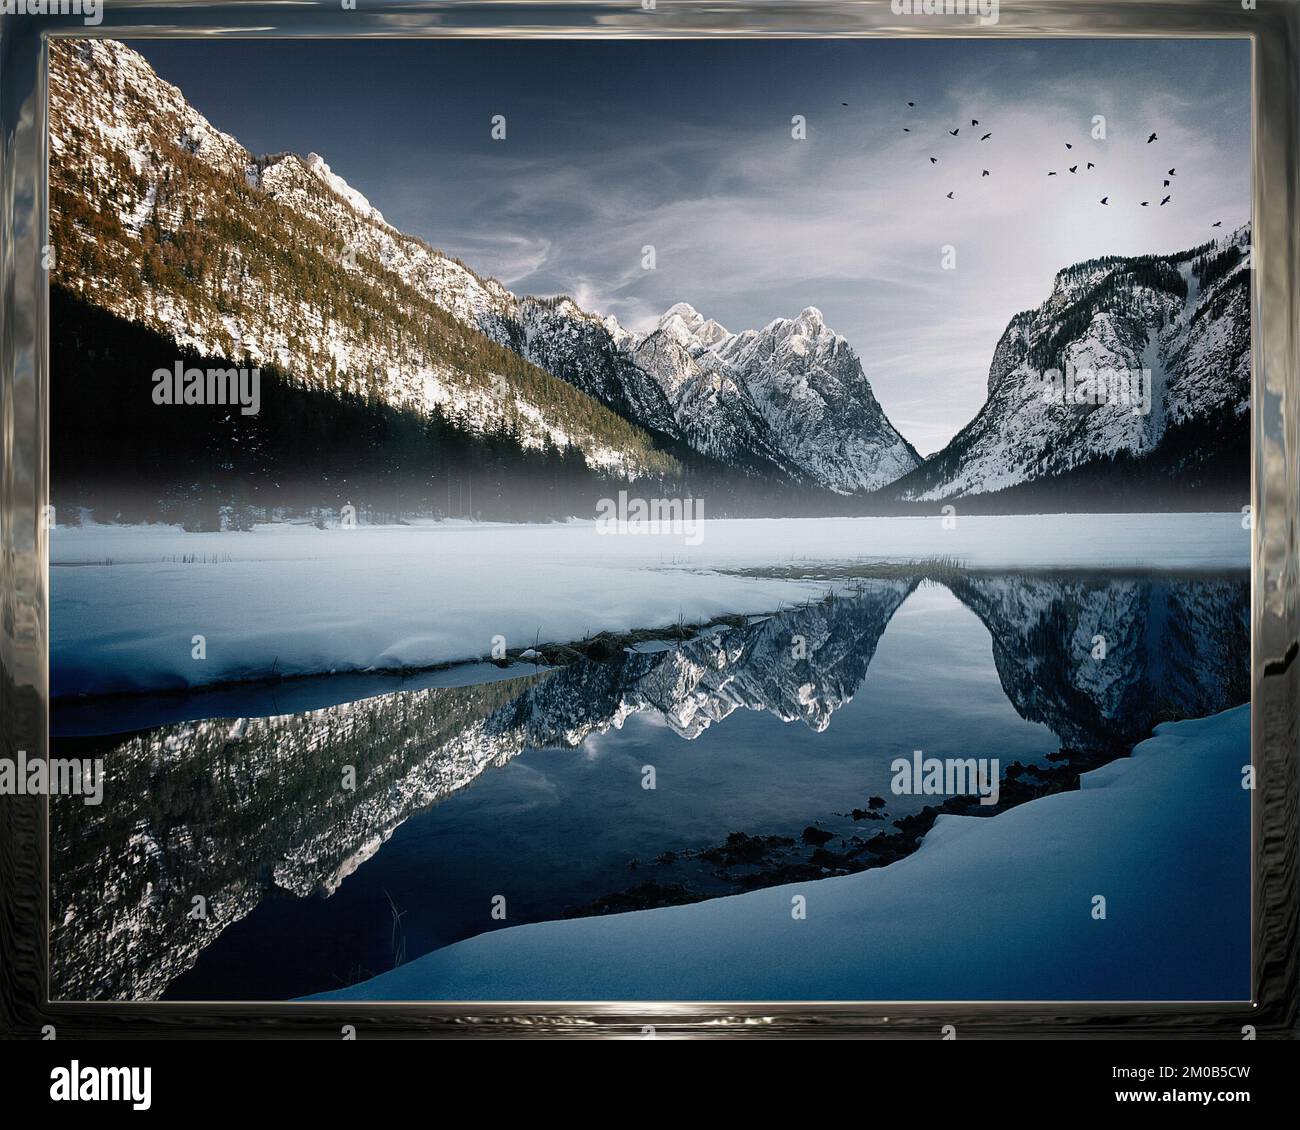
{"x": 126, "y": 602}
{"x": 993, "y": 908}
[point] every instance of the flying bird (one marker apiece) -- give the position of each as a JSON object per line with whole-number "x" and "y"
{"x": 1145, "y": 203}
{"x": 1091, "y": 165}
{"x": 1165, "y": 185}
{"x": 911, "y": 103}
{"x": 986, "y": 137}
{"x": 1164, "y": 201}
{"x": 984, "y": 173}
{"x": 950, "y": 196}
{"x": 974, "y": 121}
{"x": 954, "y": 131}
{"x": 1217, "y": 224}
{"x": 1151, "y": 139}
{"x": 1051, "y": 174}
{"x": 1170, "y": 173}
{"x": 1074, "y": 168}
{"x": 1105, "y": 199}
{"x": 934, "y": 160}
{"x": 1068, "y": 145}
{"x": 906, "y": 130}
{"x": 843, "y": 103}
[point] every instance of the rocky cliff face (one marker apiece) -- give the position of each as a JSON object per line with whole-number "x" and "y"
{"x": 1181, "y": 323}
{"x": 792, "y": 394}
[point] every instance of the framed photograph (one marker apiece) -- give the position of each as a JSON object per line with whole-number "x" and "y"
{"x": 649, "y": 519}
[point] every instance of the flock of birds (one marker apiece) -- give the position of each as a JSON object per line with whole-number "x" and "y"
{"x": 1072, "y": 169}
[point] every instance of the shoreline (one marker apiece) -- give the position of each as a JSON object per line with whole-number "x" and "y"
{"x": 991, "y": 908}
{"x": 284, "y": 602}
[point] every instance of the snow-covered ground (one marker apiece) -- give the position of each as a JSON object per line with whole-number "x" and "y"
{"x": 127, "y": 602}
{"x": 993, "y": 908}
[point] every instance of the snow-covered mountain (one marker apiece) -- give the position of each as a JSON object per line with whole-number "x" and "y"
{"x": 792, "y": 394}
{"x": 160, "y": 218}
{"x": 1185, "y": 318}
{"x": 559, "y": 336}
{"x": 277, "y": 259}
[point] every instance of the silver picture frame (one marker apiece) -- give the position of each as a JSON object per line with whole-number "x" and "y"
{"x": 1273, "y": 29}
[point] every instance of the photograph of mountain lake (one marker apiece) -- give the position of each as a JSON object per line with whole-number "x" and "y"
{"x": 573, "y": 614}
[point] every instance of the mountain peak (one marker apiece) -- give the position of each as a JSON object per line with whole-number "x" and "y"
{"x": 688, "y": 325}
{"x": 809, "y": 322}
{"x": 316, "y": 165}
{"x": 690, "y": 316}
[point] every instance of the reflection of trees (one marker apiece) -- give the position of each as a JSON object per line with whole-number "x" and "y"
{"x": 188, "y": 811}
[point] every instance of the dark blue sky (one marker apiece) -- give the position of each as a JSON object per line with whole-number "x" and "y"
{"x": 686, "y": 145}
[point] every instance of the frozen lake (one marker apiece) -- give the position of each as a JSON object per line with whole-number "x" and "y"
{"x": 127, "y": 602}
{"x": 770, "y": 742}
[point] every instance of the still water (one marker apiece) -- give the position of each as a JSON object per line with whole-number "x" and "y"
{"x": 340, "y": 835}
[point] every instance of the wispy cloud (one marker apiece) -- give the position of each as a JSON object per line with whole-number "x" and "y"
{"x": 687, "y": 148}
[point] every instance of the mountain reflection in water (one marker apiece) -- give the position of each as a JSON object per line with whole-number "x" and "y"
{"x": 268, "y": 824}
